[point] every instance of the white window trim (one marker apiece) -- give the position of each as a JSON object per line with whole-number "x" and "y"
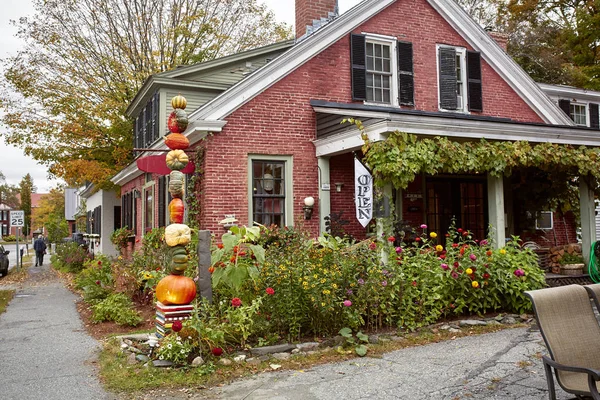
{"x": 148, "y": 186}
{"x": 587, "y": 111}
{"x": 462, "y": 52}
{"x": 289, "y": 189}
{"x": 392, "y": 42}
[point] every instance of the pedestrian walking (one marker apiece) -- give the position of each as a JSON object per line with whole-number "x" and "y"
{"x": 40, "y": 249}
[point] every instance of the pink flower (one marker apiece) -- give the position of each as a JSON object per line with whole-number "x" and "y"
{"x": 398, "y": 250}
{"x": 423, "y": 226}
{"x": 361, "y": 282}
{"x": 444, "y": 267}
{"x": 454, "y": 275}
{"x": 384, "y": 283}
{"x": 473, "y": 257}
{"x": 519, "y": 272}
{"x": 414, "y": 283}
{"x": 347, "y": 303}
{"x": 372, "y": 246}
{"x": 236, "y": 302}
{"x": 270, "y": 291}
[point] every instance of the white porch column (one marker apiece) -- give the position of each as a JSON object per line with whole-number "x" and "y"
{"x": 588, "y": 218}
{"x": 495, "y": 189}
{"x": 324, "y": 195}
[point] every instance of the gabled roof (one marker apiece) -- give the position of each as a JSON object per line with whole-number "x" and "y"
{"x": 496, "y": 57}
{"x": 570, "y": 92}
{"x": 173, "y": 78}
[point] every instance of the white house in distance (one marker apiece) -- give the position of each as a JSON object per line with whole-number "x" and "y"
{"x": 103, "y": 216}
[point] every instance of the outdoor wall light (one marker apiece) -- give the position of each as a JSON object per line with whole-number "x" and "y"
{"x": 338, "y": 186}
{"x": 309, "y": 203}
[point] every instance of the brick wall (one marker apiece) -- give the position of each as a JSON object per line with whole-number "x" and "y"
{"x": 307, "y": 10}
{"x": 564, "y": 232}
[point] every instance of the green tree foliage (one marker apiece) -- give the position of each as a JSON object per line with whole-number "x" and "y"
{"x": 555, "y": 41}
{"x": 27, "y": 188}
{"x": 8, "y": 193}
{"x": 83, "y": 61}
{"x": 50, "y": 213}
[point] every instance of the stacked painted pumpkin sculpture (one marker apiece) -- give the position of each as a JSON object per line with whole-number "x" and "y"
{"x": 177, "y": 288}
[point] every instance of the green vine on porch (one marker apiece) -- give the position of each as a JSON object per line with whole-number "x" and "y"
{"x": 556, "y": 168}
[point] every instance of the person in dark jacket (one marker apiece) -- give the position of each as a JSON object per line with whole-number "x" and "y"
{"x": 40, "y": 249}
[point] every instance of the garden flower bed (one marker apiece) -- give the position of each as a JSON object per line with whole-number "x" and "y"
{"x": 274, "y": 286}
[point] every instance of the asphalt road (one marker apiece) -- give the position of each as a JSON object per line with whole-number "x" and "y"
{"x": 12, "y": 256}
{"x": 45, "y": 352}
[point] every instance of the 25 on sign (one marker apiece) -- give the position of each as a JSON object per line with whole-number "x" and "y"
{"x": 17, "y": 218}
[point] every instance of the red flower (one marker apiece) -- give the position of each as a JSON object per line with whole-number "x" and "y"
{"x": 417, "y": 239}
{"x": 443, "y": 257}
{"x": 242, "y": 253}
{"x": 97, "y": 282}
{"x": 235, "y": 249}
{"x": 414, "y": 283}
{"x": 137, "y": 240}
{"x": 232, "y": 259}
{"x": 99, "y": 262}
{"x": 220, "y": 245}
{"x": 459, "y": 230}
{"x": 236, "y": 302}
{"x": 372, "y": 246}
{"x": 177, "y": 325}
{"x": 486, "y": 276}
{"x": 465, "y": 233}
{"x": 217, "y": 351}
{"x": 462, "y": 251}
{"x": 391, "y": 239}
{"x": 211, "y": 269}
{"x": 454, "y": 245}
{"x": 270, "y": 291}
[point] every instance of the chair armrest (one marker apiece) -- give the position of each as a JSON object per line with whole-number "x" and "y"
{"x": 594, "y": 373}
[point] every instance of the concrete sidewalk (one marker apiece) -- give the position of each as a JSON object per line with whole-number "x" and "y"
{"x": 501, "y": 365}
{"x": 45, "y": 352}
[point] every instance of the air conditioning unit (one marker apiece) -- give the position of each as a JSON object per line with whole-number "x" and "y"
{"x": 545, "y": 220}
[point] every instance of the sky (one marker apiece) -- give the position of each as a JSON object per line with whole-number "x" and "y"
{"x": 13, "y": 163}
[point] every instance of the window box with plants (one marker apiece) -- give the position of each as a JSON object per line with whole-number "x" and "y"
{"x": 571, "y": 264}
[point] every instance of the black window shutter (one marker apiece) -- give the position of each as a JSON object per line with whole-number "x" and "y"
{"x": 134, "y": 215}
{"x": 565, "y": 105}
{"x": 406, "y": 82}
{"x": 359, "y": 67}
{"x": 594, "y": 117}
{"x": 448, "y": 98}
{"x": 474, "y": 81}
{"x": 116, "y": 217}
{"x": 161, "y": 202}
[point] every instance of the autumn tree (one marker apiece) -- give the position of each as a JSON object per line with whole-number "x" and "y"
{"x": 49, "y": 212}
{"x": 65, "y": 93}
{"x": 26, "y": 187}
{"x": 8, "y": 193}
{"x": 555, "y": 41}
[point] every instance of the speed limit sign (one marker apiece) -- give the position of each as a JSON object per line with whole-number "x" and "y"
{"x": 17, "y": 218}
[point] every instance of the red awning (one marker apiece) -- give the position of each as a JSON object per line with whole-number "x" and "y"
{"x": 157, "y": 165}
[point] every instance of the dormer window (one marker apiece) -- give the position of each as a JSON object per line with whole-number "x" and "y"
{"x": 146, "y": 126}
{"x": 579, "y": 114}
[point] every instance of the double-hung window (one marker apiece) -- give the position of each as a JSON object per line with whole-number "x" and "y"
{"x": 582, "y": 113}
{"x": 271, "y": 190}
{"x": 459, "y": 79}
{"x": 379, "y": 72}
{"x": 382, "y": 70}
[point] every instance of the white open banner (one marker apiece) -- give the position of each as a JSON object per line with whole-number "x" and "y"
{"x": 363, "y": 192}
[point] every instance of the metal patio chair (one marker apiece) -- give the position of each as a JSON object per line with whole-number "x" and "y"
{"x": 572, "y": 336}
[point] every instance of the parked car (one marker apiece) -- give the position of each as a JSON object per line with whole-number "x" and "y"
{"x": 3, "y": 261}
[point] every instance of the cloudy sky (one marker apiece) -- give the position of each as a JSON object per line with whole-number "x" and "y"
{"x": 13, "y": 163}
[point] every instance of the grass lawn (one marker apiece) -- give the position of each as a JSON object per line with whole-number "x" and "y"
{"x": 5, "y": 298}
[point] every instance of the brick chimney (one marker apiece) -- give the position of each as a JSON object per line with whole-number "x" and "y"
{"x": 500, "y": 38}
{"x": 307, "y": 10}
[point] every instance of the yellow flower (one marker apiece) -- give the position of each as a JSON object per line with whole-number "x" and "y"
{"x": 322, "y": 304}
{"x": 334, "y": 286}
{"x": 315, "y": 276}
{"x": 439, "y": 247}
{"x": 433, "y": 235}
{"x": 502, "y": 251}
{"x": 469, "y": 271}
{"x": 326, "y": 292}
{"x": 352, "y": 284}
{"x": 323, "y": 280}
{"x": 304, "y": 283}
{"x": 475, "y": 284}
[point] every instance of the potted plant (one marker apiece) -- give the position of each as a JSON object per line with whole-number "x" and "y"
{"x": 571, "y": 264}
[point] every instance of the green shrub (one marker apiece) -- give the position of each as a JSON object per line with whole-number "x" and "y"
{"x": 96, "y": 280}
{"x": 116, "y": 307}
{"x": 10, "y": 238}
{"x": 567, "y": 259}
{"x": 69, "y": 257}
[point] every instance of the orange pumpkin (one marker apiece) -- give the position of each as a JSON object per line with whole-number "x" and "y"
{"x": 176, "y": 289}
{"x": 177, "y": 141}
{"x": 176, "y": 208}
{"x": 178, "y": 121}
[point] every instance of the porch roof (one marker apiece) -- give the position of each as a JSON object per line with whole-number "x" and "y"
{"x": 334, "y": 138}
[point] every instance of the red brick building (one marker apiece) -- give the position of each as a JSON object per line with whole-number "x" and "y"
{"x": 269, "y": 121}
